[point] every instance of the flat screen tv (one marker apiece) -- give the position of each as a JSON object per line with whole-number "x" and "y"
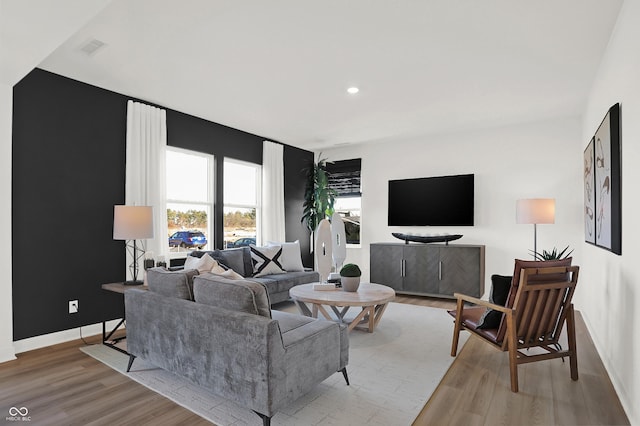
{"x": 432, "y": 201}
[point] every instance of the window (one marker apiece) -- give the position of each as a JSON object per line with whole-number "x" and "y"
{"x": 241, "y": 203}
{"x": 190, "y": 181}
{"x": 344, "y": 178}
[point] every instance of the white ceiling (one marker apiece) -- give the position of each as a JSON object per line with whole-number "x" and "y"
{"x": 280, "y": 68}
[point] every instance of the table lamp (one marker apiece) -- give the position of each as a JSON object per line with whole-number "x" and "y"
{"x": 132, "y": 223}
{"x": 535, "y": 211}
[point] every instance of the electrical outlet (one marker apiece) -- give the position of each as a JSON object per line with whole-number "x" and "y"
{"x": 73, "y": 306}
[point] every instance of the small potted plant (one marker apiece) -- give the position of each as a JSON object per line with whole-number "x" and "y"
{"x": 350, "y": 277}
{"x": 552, "y": 255}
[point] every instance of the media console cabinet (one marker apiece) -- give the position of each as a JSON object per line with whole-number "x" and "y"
{"x": 437, "y": 270}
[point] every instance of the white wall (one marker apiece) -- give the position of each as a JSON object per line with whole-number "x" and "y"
{"x": 6, "y": 318}
{"x": 525, "y": 161}
{"x": 611, "y": 306}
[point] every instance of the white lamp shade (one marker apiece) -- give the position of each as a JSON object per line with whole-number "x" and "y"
{"x": 536, "y": 210}
{"x": 132, "y": 222}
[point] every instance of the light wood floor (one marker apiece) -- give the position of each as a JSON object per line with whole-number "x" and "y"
{"x": 476, "y": 390}
{"x": 60, "y": 385}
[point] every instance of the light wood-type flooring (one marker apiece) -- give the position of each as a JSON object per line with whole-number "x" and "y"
{"x": 60, "y": 385}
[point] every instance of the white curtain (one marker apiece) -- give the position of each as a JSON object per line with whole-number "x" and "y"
{"x": 272, "y": 192}
{"x": 145, "y": 169}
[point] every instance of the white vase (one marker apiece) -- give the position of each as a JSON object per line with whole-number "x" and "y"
{"x": 323, "y": 249}
{"x": 350, "y": 283}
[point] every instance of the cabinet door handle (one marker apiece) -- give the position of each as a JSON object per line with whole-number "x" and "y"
{"x": 403, "y": 268}
{"x": 440, "y": 270}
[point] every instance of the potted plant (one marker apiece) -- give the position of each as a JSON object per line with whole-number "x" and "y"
{"x": 318, "y": 196}
{"x": 350, "y": 277}
{"x": 552, "y": 255}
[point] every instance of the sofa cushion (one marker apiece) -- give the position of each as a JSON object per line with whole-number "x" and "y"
{"x": 291, "y": 257}
{"x": 172, "y": 283}
{"x": 288, "y": 321}
{"x": 235, "y": 295}
{"x": 266, "y": 260}
{"x": 278, "y": 283}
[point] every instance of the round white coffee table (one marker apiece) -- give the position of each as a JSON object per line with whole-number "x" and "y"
{"x": 372, "y": 298}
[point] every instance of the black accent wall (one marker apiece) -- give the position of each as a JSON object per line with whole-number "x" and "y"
{"x": 68, "y": 171}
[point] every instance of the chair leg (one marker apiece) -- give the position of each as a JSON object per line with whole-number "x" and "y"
{"x": 571, "y": 336}
{"x": 513, "y": 351}
{"x": 456, "y": 328}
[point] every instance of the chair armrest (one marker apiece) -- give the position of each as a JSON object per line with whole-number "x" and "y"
{"x": 481, "y": 302}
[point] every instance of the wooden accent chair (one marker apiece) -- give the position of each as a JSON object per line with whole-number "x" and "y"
{"x": 532, "y": 319}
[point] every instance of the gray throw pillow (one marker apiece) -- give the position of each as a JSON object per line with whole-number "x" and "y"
{"x": 235, "y": 295}
{"x": 172, "y": 283}
{"x": 235, "y": 259}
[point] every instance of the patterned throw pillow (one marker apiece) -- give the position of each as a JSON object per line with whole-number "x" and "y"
{"x": 291, "y": 258}
{"x": 266, "y": 260}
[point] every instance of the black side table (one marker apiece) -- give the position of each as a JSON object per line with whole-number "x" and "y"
{"x": 106, "y": 338}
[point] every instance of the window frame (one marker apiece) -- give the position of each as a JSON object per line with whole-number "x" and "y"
{"x": 210, "y": 201}
{"x": 258, "y": 206}
{"x": 347, "y": 167}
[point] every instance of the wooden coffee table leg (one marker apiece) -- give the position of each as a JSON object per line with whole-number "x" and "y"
{"x": 372, "y": 321}
{"x": 358, "y": 318}
{"x": 303, "y": 308}
{"x": 379, "y": 310}
{"x": 324, "y": 312}
{"x": 340, "y": 313}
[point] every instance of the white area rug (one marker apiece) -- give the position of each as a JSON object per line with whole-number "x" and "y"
{"x": 393, "y": 372}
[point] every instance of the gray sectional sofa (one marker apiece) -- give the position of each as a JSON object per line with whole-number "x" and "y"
{"x": 278, "y": 285}
{"x": 222, "y": 335}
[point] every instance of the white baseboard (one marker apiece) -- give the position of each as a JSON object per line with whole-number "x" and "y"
{"x": 45, "y": 340}
{"x": 7, "y": 353}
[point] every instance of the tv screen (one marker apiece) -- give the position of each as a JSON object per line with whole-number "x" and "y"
{"x": 433, "y": 201}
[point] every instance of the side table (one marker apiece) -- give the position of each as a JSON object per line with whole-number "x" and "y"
{"x": 106, "y": 338}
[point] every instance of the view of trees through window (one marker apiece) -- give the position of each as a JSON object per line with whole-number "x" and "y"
{"x": 188, "y": 219}
{"x": 241, "y": 203}
{"x": 189, "y": 200}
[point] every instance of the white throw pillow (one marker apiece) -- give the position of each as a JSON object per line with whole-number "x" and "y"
{"x": 202, "y": 264}
{"x": 227, "y": 273}
{"x": 291, "y": 257}
{"x": 266, "y": 260}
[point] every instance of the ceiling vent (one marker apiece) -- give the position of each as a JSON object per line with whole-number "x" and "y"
{"x": 90, "y": 47}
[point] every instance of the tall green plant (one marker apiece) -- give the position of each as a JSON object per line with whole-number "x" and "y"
{"x": 318, "y": 196}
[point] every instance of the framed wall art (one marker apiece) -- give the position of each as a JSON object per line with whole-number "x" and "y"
{"x": 589, "y": 194}
{"x": 602, "y": 185}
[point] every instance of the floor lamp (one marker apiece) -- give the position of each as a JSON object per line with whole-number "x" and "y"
{"x": 131, "y": 223}
{"x": 535, "y": 211}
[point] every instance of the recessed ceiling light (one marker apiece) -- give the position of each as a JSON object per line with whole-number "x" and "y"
{"x": 353, "y": 90}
